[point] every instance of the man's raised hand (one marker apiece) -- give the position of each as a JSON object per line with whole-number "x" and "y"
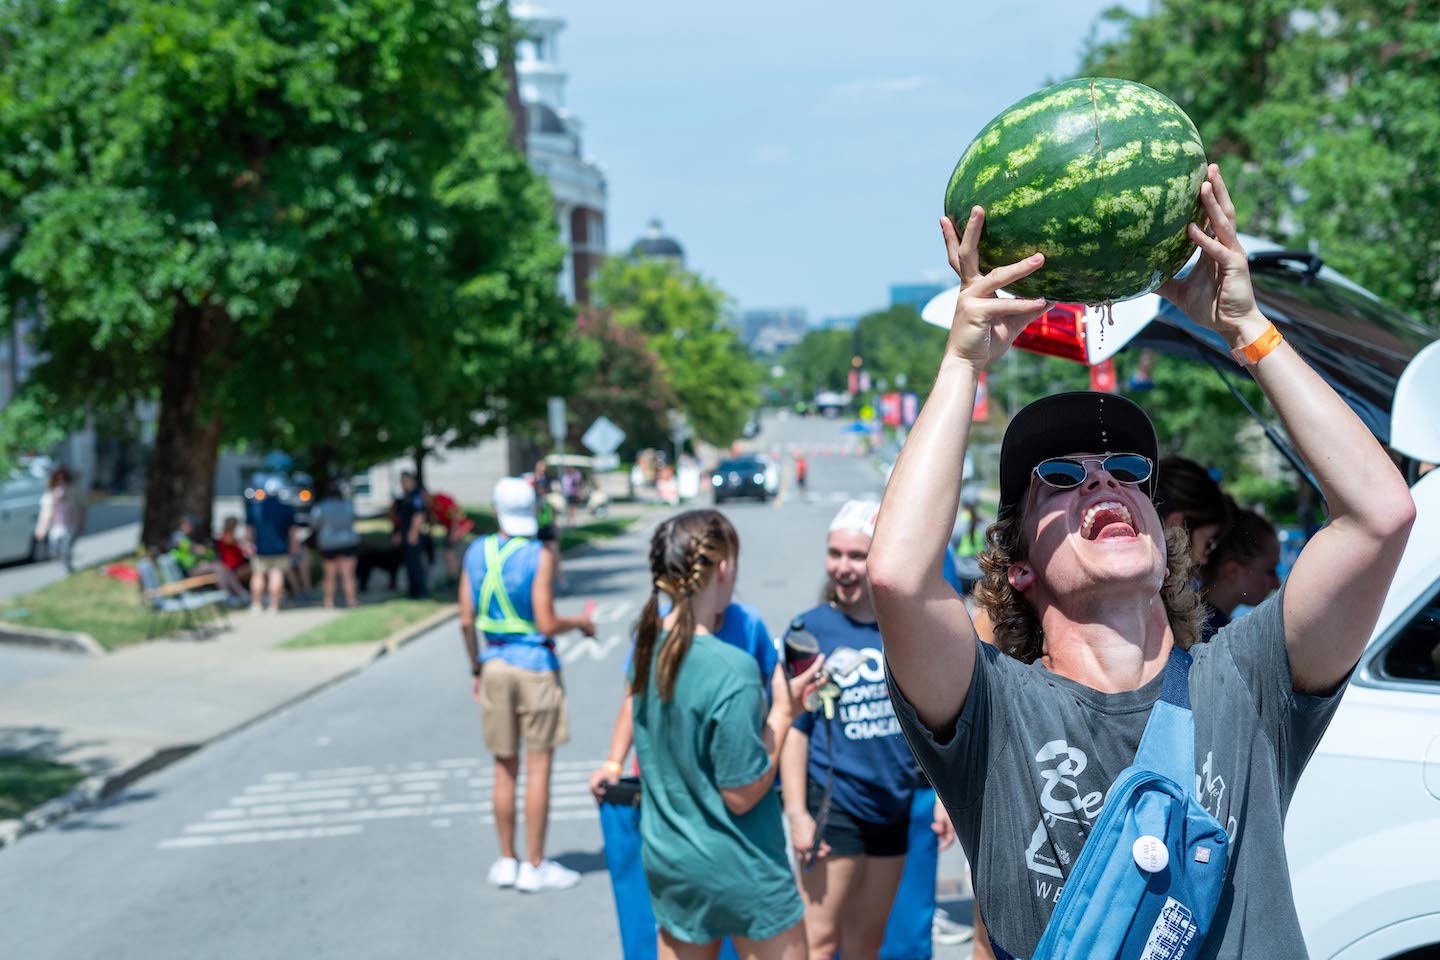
{"x": 1217, "y": 293}
{"x": 984, "y": 325}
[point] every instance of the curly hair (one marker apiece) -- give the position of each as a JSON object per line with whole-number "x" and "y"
{"x": 1017, "y": 629}
{"x": 684, "y": 553}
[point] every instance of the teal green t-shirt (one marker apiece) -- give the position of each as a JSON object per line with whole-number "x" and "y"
{"x": 711, "y": 874}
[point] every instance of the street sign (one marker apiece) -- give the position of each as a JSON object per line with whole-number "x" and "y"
{"x": 603, "y": 436}
{"x": 555, "y": 406}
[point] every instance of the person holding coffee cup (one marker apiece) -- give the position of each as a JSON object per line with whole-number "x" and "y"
{"x": 847, "y": 775}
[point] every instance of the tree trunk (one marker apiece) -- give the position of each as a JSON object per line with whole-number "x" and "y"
{"x": 419, "y": 454}
{"x": 181, "y": 478}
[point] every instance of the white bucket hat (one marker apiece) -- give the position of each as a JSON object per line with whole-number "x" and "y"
{"x": 514, "y": 501}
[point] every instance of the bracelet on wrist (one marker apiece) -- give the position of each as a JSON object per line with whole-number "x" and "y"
{"x": 1259, "y": 348}
{"x": 612, "y": 766}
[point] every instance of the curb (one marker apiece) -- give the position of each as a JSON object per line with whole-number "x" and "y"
{"x": 406, "y": 634}
{"x": 89, "y": 792}
{"x": 66, "y": 641}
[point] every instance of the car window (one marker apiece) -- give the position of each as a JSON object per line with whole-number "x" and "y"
{"x": 1414, "y": 654}
{"x": 740, "y": 466}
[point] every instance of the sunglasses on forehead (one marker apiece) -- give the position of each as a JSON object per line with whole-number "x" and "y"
{"x": 1067, "y": 472}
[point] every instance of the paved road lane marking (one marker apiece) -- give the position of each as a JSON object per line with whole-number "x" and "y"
{"x": 345, "y": 801}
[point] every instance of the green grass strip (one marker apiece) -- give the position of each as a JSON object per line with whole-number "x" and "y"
{"x": 27, "y": 782}
{"x": 106, "y": 608}
{"x": 368, "y": 624}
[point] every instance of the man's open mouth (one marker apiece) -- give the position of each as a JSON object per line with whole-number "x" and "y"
{"x": 1108, "y": 518}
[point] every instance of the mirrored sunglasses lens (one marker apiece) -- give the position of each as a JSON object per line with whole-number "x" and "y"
{"x": 1128, "y": 468}
{"x": 1061, "y": 473}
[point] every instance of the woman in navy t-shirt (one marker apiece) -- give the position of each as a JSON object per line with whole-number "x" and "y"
{"x": 851, "y": 848}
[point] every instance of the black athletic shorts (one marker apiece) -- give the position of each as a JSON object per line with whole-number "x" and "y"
{"x": 852, "y": 837}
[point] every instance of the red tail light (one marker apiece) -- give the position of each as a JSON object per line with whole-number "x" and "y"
{"x": 1059, "y": 332}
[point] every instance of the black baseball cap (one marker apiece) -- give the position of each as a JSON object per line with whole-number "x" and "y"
{"x": 1065, "y": 423}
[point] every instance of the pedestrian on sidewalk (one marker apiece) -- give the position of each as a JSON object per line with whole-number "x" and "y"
{"x": 62, "y": 517}
{"x": 410, "y": 517}
{"x": 545, "y": 517}
{"x": 333, "y": 520}
{"x": 272, "y": 525}
{"x": 712, "y": 839}
{"x": 507, "y": 595}
{"x": 457, "y": 527}
{"x": 1097, "y": 624}
{"x": 848, "y": 777}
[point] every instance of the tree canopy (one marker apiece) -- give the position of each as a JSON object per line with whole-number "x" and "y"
{"x": 297, "y": 224}
{"x": 1325, "y": 119}
{"x": 681, "y": 315}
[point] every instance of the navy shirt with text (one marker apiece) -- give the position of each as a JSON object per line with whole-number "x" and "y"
{"x": 875, "y": 774}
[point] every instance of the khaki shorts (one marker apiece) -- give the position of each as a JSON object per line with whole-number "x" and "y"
{"x": 259, "y": 564}
{"x": 516, "y": 704}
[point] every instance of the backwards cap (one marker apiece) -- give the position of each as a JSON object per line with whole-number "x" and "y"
{"x": 1066, "y": 423}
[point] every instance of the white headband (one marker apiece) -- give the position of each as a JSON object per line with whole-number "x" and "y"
{"x": 857, "y": 515}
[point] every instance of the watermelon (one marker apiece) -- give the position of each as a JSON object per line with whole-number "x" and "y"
{"x": 1100, "y": 175}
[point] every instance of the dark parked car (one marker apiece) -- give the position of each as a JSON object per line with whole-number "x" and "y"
{"x": 741, "y": 477}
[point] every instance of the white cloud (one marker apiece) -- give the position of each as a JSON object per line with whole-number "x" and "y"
{"x": 883, "y": 86}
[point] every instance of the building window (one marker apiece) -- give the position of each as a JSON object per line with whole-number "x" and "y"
{"x": 1414, "y": 654}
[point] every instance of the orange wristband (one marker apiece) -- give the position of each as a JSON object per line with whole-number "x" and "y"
{"x": 1252, "y": 353}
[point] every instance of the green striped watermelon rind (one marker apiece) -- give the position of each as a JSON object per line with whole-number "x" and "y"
{"x": 1114, "y": 204}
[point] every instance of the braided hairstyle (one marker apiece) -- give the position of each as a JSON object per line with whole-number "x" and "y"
{"x": 684, "y": 554}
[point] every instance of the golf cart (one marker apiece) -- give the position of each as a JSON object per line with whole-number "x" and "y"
{"x": 592, "y": 498}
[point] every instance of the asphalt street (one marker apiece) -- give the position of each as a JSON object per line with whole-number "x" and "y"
{"x": 357, "y": 822}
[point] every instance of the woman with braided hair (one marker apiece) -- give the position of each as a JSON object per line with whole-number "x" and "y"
{"x": 711, "y": 837}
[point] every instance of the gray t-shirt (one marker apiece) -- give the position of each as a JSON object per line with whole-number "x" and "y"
{"x": 334, "y": 523}
{"x": 1026, "y": 769}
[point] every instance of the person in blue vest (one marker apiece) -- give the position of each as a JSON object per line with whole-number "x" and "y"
{"x": 847, "y": 776}
{"x": 507, "y": 594}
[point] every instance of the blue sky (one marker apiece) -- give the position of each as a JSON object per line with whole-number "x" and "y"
{"x": 800, "y": 150}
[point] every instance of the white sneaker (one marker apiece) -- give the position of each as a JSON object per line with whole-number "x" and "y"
{"x": 944, "y": 930}
{"x": 503, "y": 872}
{"x": 548, "y": 876}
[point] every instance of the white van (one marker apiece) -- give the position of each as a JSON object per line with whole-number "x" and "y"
{"x": 19, "y": 511}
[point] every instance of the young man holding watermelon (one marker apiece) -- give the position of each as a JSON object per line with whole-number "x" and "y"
{"x": 1089, "y": 597}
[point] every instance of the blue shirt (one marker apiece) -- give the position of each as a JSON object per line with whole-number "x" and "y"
{"x": 530, "y": 651}
{"x": 271, "y": 520}
{"x": 741, "y": 626}
{"x": 875, "y": 773}
{"x": 952, "y": 575}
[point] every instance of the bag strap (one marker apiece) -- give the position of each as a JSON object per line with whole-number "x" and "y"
{"x": 493, "y": 588}
{"x": 1168, "y": 745}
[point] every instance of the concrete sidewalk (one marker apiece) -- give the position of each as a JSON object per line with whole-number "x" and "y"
{"x": 107, "y": 714}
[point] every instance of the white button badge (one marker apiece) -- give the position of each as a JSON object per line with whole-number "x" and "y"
{"x": 1150, "y": 854}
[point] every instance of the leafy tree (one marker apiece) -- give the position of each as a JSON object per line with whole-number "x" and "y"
{"x": 681, "y": 316}
{"x": 296, "y": 223}
{"x": 1325, "y": 119}
{"x": 626, "y": 385}
{"x": 820, "y": 361}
